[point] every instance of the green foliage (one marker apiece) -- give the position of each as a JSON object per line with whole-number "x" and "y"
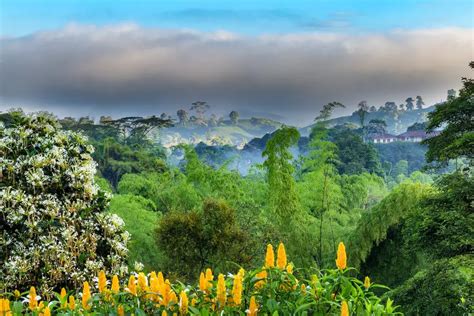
{"x": 444, "y": 288}
{"x": 140, "y": 220}
{"x": 445, "y": 227}
{"x": 374, "y": 225}
{"x": 391, "y": 153}
{"x": 283, "y": 198}
{"x": 456, "y": 140}
{"x": 354, "y": 156}
{"x": 194, "y": 240}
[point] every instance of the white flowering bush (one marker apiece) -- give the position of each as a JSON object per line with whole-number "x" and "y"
{"x": 54, "y": 228}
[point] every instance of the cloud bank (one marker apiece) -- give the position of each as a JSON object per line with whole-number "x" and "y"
{"x": 126, "y": 69}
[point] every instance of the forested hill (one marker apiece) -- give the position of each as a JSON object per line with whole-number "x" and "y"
{"x": 397, "y": 120}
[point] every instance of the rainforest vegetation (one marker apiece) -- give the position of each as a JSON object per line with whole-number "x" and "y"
{"x": 89, "y": 212}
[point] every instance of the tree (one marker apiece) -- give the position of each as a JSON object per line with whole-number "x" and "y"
{"x": 55, "y": 228}
{"x": 409, "y": 102}
{"x": 234, "y": 117}
{"x": 376, "y": 126}
{"x": 451, "y": 94}
{"x": 193, "y": 240}
{"x": 283, "y": 197}
{"x": 183, "y": 117}
{"x": 390, "y": 107}
{"x": 327, "y": 110}
{"x": 373, "y": 109}
{"x": 362, "y": 111}
{"x": 419, "y": 102}
{"x": 200, "y": 107}
{"x": 456, "y": 140}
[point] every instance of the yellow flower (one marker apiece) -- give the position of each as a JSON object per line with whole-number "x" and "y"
{"x": 281, "y": 256}
{"x": 120, "y": 311}
{"x": 209, "y": 276}
{"x": 344, "y": 309}
{"x": 269, "y": 257}
{"x": 341, "y": 260}
{"x": 193, "y": 302}
{"x": 253, "y": 307}
{"x": 164, "y": 313}
{"x": 237, "y": 289}
{"x": 32, "y": 302}
{"x": 202, "y": 282}
{"x": 367, "y": 282}
{"x": 154, "y": 286}
{"x": 102, "y": 281}
{"x": 17, "y": 293}
{"x": 5, "y": 307}
{"x": 221, "y": 291}
{"x": 115, "y": 284}
{"x": 86, "y": 296}
{"x": 47, "y": 311}
{"x": 142, "y": 282}
{"x": 183, "y": 303}
{"x": 289, "y": 268}
{"x": 72, "y": 303}
{"x": 63, "y": 297}
{"x": 173, "y": 298}
{"x": 132, "y": 287}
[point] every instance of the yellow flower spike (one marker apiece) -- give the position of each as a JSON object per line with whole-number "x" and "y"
{"x": 241, "y": 273}
{"x": 154, "y": 286}
{"x": 115, "y": 284}
{"x": 142, "y": 282}
{"x": 161, "y": 279}
{"x": 17, "y": 293}
{"x": 341, "y": 260}
{"x": 344, "y": 309}
{"x": 193, "y": 302}
{"x": 269, "y": 257}
{"x": 102, "y": 281}
{"x": 120, "y": 311}
{"x": 221, "y": 290}
{"x": 253, "y": 307}
{"x": 32, "y": 302}
{"x": 183, "y": 303}
{"x": 47, "y": 311}
{"x": 173, "y": 298}
{"x": 202, "y": 282}
{"x": 86, "y": 296}
{"x": 63, "y": 297}
{"x": 5, "y": 307}
{"x": 281, "y": 256}
{"x": 209, "y": 275}
{"x": 164, "y": 313}
{"x": 289, "y": 268}
{"x": 237, "y": 289}
{"x": 367, "y": 282}
{"x": 72, "y": 303}
{"x": 132, "y": 287}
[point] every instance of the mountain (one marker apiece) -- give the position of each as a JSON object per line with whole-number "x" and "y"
{"x": 219, "y": 133}
{"x": 397, "y": 121}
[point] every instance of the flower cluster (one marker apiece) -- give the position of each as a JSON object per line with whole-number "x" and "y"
{"x": 55, "y": 228}
{"x": 329, "y": 292}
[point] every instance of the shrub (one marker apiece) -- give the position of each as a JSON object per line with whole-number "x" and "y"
{"x": 275, "y": 289}
{"x": 55, "y": 231}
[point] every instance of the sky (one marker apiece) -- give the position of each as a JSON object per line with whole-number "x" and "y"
{"x": 281, "y": 59}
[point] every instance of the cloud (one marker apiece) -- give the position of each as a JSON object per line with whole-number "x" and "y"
{"x": 126, "y": 69}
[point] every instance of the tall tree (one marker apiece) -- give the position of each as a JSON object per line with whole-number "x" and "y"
{"x": 234, "y": 117}
{"x": 282, "y": 187}
{"x": 327, "y": 110}
{"x": 456, "y": 140}
{"x": 200, "y": 107}
{"x": 183, "y": 117}
{"x": 409, "y": 102}
{"x": 362, "y": 111}
{"x": 419, "y": 102}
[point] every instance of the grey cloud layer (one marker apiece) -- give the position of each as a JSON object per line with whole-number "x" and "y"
{"x": 126, "y": 69}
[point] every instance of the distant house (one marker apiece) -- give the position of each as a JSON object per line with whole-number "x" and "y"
{"x": 416, "y": 136}
{"x": 410, "y": 136}
{"x": 382, "y": 138}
